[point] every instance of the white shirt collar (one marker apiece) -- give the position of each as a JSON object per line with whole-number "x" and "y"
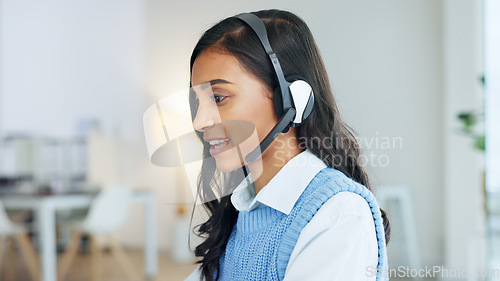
{"x": 284, "y": 189}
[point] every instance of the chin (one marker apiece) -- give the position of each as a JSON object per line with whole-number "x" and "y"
{"x": 226, "y": 162}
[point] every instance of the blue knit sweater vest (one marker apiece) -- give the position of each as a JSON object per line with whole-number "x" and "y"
{"x": 263, "y": 239}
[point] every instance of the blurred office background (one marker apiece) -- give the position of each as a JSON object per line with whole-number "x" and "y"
{"x": 76, "y": 77}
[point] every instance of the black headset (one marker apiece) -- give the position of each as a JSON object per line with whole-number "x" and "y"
{"x": 293, "y": 98}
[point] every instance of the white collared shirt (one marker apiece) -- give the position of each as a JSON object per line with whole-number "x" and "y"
{"x": 338, "y": 244}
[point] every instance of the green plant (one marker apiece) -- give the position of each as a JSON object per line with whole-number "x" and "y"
{"x": 470, "y": 121}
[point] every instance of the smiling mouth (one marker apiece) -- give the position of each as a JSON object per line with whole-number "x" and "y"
{"x": 217, "y": 146}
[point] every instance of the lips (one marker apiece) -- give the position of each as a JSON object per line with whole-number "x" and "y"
{"x": 218, "y": 146}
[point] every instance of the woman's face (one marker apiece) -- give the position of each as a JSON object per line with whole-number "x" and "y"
{"x": 238, "y": 96}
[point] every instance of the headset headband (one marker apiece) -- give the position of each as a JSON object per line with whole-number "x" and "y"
{"x": 257, "y": 25}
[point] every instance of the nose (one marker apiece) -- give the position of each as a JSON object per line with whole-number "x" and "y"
{"x": 206, "y": 117}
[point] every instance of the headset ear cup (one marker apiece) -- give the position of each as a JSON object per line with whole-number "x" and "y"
{"x": 309, "y": 107}
{"x": 278, "y": 95}
{"x": 302, "y": 97}
{"x": 292, "y": 78}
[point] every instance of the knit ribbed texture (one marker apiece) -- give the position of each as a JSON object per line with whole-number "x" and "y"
{"x": 263, "y": 239}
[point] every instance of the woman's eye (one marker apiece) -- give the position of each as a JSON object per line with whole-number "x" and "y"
{"x": 219, "y": 98}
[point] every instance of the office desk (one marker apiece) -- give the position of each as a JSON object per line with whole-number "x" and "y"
{"x": 45, "y": 207}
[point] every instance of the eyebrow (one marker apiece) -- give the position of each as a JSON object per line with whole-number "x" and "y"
{"x": 213, "y": 82}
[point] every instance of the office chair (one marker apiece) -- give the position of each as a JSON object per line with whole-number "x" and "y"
{"x": 8, "y": 229}
{"x": 107, "y": 213}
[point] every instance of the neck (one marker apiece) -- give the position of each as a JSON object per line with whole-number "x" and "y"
{"x": 283, "y": 148}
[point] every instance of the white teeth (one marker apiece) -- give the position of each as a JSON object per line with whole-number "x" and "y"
{"x": 216, "y": 142}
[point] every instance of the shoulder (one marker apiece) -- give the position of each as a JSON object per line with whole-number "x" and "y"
{"x": 339, "y": 194}
{"x": 339, "y": 200}
{"x": 341, "y": 206}
{"x": 347, "y": 204}
{"x": 344, "y": 225}
{"x": 345, "y": 208}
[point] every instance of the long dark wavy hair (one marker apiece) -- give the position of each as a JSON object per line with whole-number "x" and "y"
{"x": 323, "y": 133}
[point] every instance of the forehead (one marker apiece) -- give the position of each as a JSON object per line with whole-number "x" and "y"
{"x": 211, "y": 65}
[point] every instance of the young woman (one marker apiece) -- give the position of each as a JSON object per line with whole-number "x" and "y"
{"x": 309, "y": 214}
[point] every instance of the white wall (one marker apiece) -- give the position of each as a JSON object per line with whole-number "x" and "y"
{"x": 384, "y": 61}
{"x": 66, "y": 60}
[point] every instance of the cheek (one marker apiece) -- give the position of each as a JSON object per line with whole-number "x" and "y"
{"x": 262, "y": 115}
{"x": 259, "y": 112}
